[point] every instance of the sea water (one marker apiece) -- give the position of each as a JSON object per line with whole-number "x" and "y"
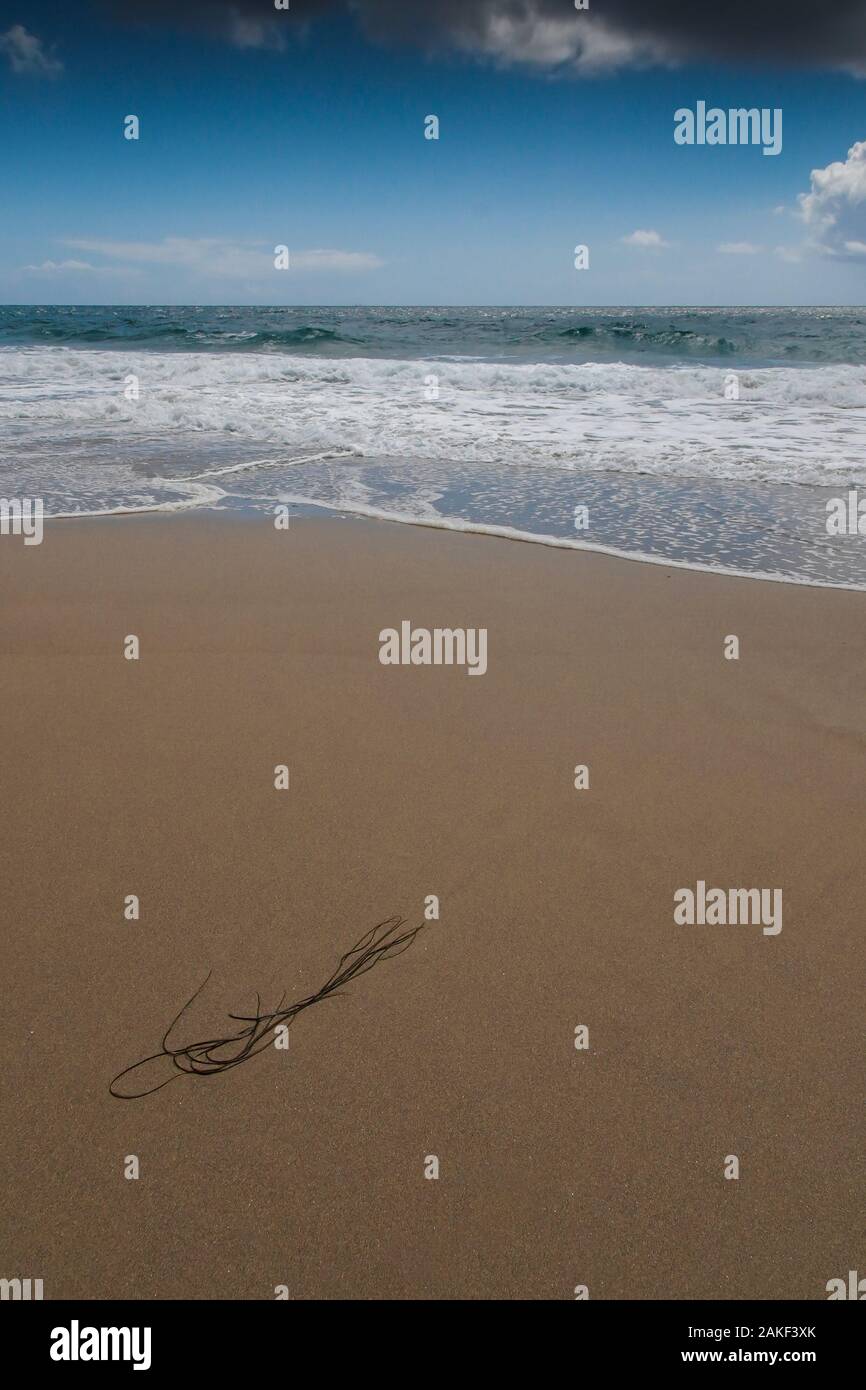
{"x": 710, "y": 438}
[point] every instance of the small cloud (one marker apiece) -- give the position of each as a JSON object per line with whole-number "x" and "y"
{"x": 792, "y": 254}
{"x": 210, "y": 255}
{"x": 27, "y": 54}
{"x": 779, "y": 209}
{"x": 856, "y": 248}
{"x": 220, "y": 257}
{"x": 50, "y": 267}
{"x": 647, "y": 239}
{"x": 739, "y": 248}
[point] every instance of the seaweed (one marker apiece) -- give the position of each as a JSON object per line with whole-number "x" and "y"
{"x": 214, "y": 1056}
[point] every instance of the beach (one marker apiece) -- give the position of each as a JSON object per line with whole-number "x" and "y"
{"x": 560, "y": 1167}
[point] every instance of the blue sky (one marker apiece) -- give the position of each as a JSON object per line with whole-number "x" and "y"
{"x": 319, "y": 145}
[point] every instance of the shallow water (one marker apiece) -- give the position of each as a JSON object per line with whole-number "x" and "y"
{"x": 710, "y": 438}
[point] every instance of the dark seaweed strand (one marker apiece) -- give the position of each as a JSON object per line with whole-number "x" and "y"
{"x": 382, "y": 942}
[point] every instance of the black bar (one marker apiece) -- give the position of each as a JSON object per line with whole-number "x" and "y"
{"x": 236, "y": 1338}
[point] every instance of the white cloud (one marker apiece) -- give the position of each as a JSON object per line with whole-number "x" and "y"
{"x": 792, "y": 254}
{"x": 217, "y": 256}
{"x": 834, "y": 210}
{"x": 49, "y": 266}
{"x": 739, "y": 248}
{"x": 645, "y": 238}
{"x": 27, "y": 54}
{"x": 209, "y": 255}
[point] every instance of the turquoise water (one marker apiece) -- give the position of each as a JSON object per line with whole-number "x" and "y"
{"x": 745, "y": 336}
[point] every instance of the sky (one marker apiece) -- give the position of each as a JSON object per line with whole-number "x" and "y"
{"x": 305, "y": 128}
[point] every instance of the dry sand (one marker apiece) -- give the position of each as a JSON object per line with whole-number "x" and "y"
{"x": 558, "y": 1167}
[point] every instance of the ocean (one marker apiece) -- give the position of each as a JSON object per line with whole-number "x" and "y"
{"x": 709, "y": 438}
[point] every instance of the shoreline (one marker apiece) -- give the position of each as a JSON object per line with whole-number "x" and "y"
{"x": 359, "y": 513}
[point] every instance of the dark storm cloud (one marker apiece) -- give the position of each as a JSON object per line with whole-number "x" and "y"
{"x": 551, "y": 33}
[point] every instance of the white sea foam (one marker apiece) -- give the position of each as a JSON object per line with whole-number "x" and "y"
{"x": 675, "y": 472}
{"x": 790, "y": 425}
{"x": 194, "y": 496}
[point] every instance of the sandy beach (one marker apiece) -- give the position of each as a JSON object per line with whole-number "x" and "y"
{"x": 558, "y": 1167}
